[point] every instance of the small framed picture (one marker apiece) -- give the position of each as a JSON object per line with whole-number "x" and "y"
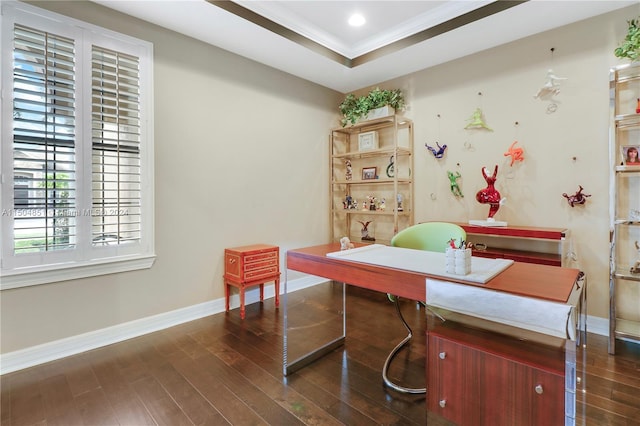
{"x": 369, "y": 173}
{"x": 368, "y": 141}
{"x": 630, "y": 155}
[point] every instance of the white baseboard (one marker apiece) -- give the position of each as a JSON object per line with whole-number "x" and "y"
{"x": 597, "y": 325}
{"x": 28, "y": 357}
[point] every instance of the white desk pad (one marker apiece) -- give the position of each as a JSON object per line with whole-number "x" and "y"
{"x": 541, "y": 316}
{"x": 428, "y": 262}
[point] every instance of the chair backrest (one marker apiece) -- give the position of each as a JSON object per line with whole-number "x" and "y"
{"x": 429, "y": 236}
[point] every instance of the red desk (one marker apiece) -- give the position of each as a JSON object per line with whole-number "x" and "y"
{"x": 523, "y": 279}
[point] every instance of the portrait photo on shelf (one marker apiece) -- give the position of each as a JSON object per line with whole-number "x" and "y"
{"x": 369, "y": 173}
{"x": 630, "y": 155}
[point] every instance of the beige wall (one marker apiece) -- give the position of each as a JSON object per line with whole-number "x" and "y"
{"x": 508, "y": 77}
{"x": 241, "y": 158}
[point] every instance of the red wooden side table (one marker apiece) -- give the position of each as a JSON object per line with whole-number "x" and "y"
{"x": 248, "y": 266}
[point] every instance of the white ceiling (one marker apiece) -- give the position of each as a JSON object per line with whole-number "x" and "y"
{"x": 312, "y": 40}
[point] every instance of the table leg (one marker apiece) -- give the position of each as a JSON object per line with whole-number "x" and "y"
{"x": 242, "y": 302}
{"x": 226, "y": 296}
{"x": 277, "y": 288}
{"x": 291, "y": 366}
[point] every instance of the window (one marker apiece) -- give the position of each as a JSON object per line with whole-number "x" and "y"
{"x": 115, "y": 138}
{"x": 77, "y": 149}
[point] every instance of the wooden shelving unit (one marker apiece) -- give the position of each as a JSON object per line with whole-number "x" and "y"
{"x": 371, "y": 145}
{"x": 624, "y": 307}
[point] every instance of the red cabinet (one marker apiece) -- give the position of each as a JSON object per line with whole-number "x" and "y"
{"x": 249, "y": 266}
{"x": 475, "y": 377}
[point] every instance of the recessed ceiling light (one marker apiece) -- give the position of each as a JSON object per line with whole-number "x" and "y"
{"x": 356, "y": 20}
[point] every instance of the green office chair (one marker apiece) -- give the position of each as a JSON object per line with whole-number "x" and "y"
{"x": 429, "y": 236}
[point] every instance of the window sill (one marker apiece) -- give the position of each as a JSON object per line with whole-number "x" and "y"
{"x": 36, "y": 276}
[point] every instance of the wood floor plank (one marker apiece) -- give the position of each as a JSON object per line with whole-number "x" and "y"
{"x": 251, "y": 395}
{"x": 5, "y": 400}
{"x": 95, "y": 408}
{"x": 324, "y": 375}
{"x": 320, "y": 397}
{"x": 80, "y": 375}
{"x": 71, "y": 417}
{"x": 190, "y": 401}
{"x": 26, "y": 400}
{"x": 187, "y": 344}
{"x": 116, "y": 383}
{"x": 366, "y": 380}
{"x": 275, "y": 388}
{"x": 128, "y": 361}
{"x": 330, "y": 402}
{"x": 223, "y": 370}
{"x": 163, "y": 408}
{"x": 231, "y": 408}
{"x": 57, "y": 397}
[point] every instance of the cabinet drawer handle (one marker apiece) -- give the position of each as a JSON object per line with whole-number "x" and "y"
{"x": 442, "y": 355}
{"x": 539, "y": 389}
{"x": 232, "y": 261}
{"x": 442, "y": 403}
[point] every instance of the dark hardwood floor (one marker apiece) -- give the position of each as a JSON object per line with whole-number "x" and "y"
{"x": 222, "y": 370}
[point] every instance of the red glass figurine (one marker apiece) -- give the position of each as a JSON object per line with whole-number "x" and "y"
{"x": 490, "y": 194}
{"x": 577, "y": 198}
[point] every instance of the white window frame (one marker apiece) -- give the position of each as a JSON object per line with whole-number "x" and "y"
{"x": 86, "y": 259}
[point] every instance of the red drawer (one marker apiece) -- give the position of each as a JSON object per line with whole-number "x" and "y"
{"x": 250, "y": 263}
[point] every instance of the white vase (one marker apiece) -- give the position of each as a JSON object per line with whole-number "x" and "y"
{"x": 458, "y": 261}
{"x": 384, "y": 111}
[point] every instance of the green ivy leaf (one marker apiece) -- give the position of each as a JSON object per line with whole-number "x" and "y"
{"x": 630, "y": 47}
{"x": 352, "y": 108}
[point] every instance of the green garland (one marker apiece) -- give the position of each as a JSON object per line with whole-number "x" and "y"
{"x": 630, "y": 47}
{"x": 352, "y": 108}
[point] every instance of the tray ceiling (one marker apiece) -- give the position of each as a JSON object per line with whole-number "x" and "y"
{"x": 312, "y": 40}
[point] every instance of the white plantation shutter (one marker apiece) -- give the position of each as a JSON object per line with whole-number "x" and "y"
{"x": 43, "y": 141}
{"x": 77, "y": 149}
{"x": 115, "y": 127}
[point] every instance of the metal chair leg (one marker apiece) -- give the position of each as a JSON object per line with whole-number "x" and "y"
{"x": 394, "y": 352}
